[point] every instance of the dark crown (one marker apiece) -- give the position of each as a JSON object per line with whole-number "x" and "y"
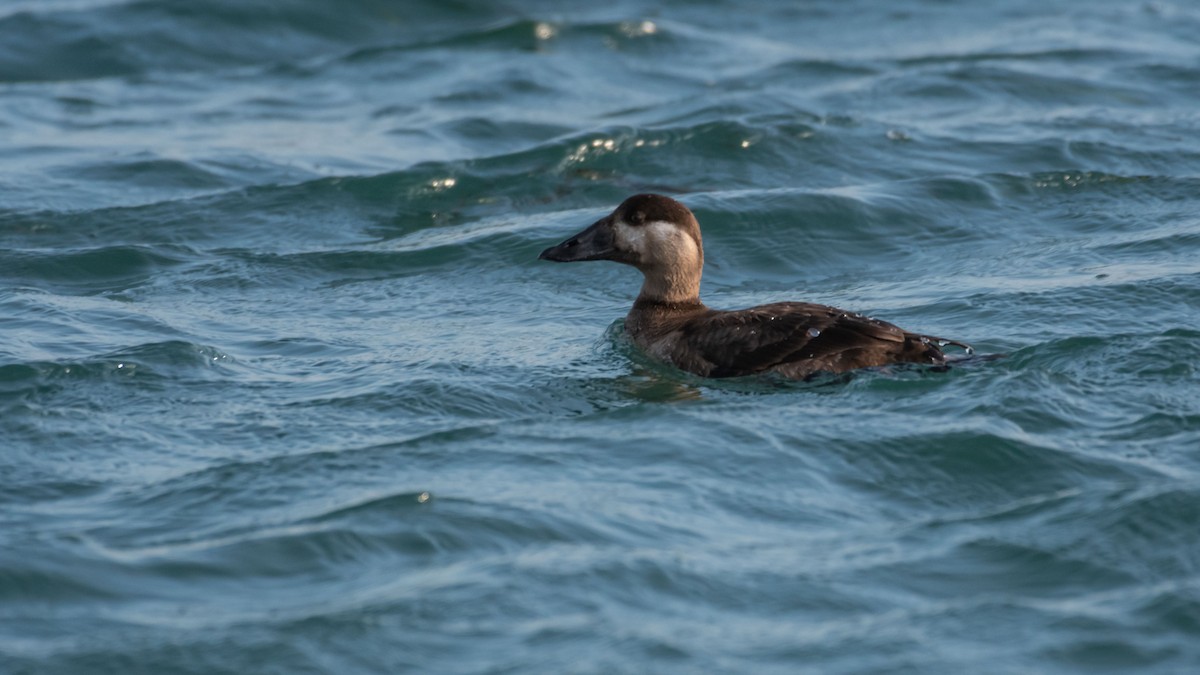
{"x": 648, "y": 208}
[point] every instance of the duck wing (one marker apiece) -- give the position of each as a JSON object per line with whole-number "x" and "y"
{"x": 798, "y": 339}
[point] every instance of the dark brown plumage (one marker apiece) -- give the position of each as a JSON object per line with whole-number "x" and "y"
{"x": 661, "y": 237}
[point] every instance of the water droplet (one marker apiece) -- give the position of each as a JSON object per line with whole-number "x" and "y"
{"x": 814, "y": 332}
{"x": 423, "y": 497}
{"x": 638, "y": 29}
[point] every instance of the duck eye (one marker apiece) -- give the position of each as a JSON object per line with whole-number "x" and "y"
{"x": 637, "y": 218}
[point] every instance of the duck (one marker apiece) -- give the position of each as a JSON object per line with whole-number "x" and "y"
{"x": 660, "y": 237}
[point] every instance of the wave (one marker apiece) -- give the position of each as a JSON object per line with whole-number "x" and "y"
{"x": 155, "y": 361}
{"x": 127, "y": 39}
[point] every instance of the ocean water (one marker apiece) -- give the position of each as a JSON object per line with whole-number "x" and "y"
{"x": 284, "y": 389}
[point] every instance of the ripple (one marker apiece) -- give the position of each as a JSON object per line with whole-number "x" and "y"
{"x": 152, "y": 172}
{"x": 97, "y": 270}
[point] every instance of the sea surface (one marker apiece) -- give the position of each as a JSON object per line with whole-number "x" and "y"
{"x": 284, "y": 389}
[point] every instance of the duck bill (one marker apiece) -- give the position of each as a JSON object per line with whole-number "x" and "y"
{"x": 594, "y": 243}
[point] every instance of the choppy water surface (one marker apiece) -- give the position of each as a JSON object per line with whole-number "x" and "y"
{"x": 284, "y": 389}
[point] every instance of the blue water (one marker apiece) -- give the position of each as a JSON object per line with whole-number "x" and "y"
{"x": 284, "y": 389}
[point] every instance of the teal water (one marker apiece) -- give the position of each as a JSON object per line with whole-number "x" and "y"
{"x": 284, "y": 389}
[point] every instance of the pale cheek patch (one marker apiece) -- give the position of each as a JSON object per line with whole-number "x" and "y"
{"x": 658, "y": 241}
{"x": 672, "y": 243}
{"x": 630, "y": 238}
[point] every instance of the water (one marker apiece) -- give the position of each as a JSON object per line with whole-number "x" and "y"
{"x": 284, "y": 389}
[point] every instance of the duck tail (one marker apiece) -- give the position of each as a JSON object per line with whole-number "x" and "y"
{"x": 931, "y": 348}
{"x": 943, "y": 342}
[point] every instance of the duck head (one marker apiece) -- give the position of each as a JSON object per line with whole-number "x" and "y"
{"x": 653, "y": 233}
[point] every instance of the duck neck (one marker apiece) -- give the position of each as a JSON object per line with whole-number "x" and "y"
{"x": 670, "y": 287}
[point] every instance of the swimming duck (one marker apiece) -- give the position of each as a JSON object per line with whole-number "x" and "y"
{"x": 796, "y": 340}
